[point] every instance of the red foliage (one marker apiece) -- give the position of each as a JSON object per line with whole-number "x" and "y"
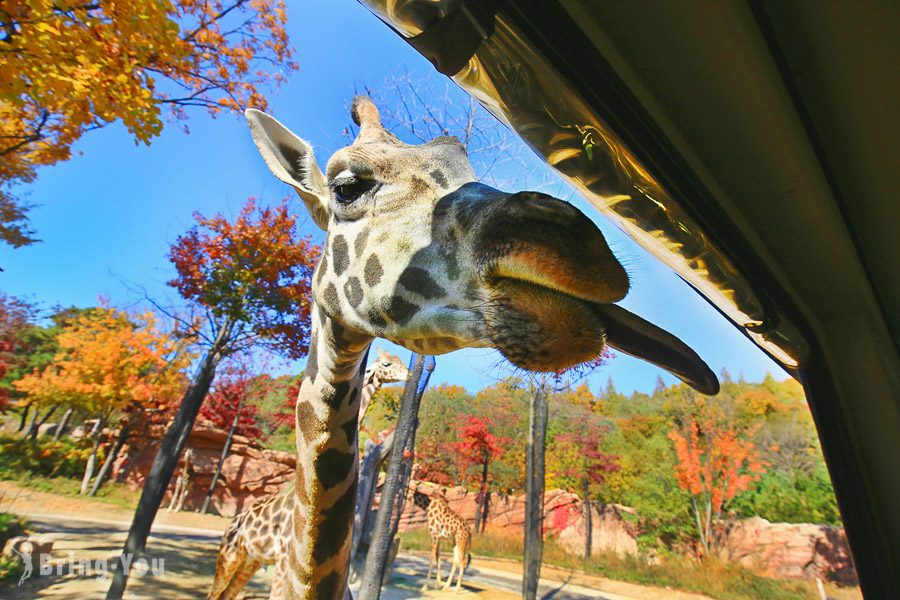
{"x": 560, "y": 517}
{"x": 230, "y": 394}
{"x": 717, "y": 464}
{"x": 477, "y": 445}
{"x": 285, "y": 416}
{"x": 581, "y": 462}
{"x": 15, "y": 317}
{"x": 255, "y": 271}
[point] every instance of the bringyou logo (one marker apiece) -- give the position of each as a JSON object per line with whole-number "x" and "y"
{"x": 101, "y": 568}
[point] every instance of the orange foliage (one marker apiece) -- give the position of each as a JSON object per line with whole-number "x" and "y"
{"x": 109, "y": 361}
{"x": 716, "y": 462}
{"x": 68, "y": 67}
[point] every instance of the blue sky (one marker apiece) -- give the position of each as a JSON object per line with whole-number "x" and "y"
{"x": 108, "y": 216}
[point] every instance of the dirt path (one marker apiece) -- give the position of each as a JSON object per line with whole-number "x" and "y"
{"x": 185, "y": 545}
{"x": 17, "y": 499}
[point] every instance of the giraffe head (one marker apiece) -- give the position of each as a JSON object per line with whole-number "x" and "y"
{"x": 421, "y": 500}
{"x": 420, "y": 253}
{"x": 387, "y": 368}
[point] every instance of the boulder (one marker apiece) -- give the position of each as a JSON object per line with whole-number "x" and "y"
{"x": 563, "y": 517}
{"x": 791, "y": 550}
{"x": 248, "y": 472}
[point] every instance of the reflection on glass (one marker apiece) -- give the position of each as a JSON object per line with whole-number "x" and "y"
{"x": 520, "y": 88}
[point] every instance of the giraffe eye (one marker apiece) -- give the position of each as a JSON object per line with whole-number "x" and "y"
{"x": 349, "y": 189}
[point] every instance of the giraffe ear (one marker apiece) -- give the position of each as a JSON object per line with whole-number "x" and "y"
{"x": 292, "y": 161}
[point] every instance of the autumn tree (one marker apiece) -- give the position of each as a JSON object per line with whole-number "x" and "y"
{"x": 32, "y": 346}
{"x": 108, "y": 364}
{"x": 69, "y": 67}
{"x": 284, "y": 416}
{"x": 478, "y": 446}
{"x": 577, "y": 462}
{"x": 229, "y": 403}
{"x": 716, "y": 462}
{"x": 251, "y": 280}
{"x": 443, "y": 407}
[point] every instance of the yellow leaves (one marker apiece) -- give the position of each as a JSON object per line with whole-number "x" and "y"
{"x": 46, "y": 27}
{"x": 64, "y": 71}
{"x": 107, "y": 361}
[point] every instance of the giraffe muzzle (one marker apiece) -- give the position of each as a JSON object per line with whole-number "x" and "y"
{"x": 553, "y": 281}
{"x": 536, "y": 238}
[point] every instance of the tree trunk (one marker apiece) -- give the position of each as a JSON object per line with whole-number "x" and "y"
{"x": 23, "y": 418}
{"x": 62, "y": 424}
{"x": 481, "y": 506}
{"x": 36, "y": 422}
{"x": 165, "y": 462}
{"x": 588, "y": 520}
{"x": 393, "y": 494}
{"x": 534, "y": 492}
{"x": 89, "y": 467}
{"x": 369, "y": 467}
{"x": 225, "y": 449}
{"x": 124, "y": 432}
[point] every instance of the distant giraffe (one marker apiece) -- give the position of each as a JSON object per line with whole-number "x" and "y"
{"x": 183, "y": 483}
{"x": 255, "y": 537}
{"x": 444, "y": 523}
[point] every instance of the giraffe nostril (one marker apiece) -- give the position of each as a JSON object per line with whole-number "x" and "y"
{"x": 536, "y": 205}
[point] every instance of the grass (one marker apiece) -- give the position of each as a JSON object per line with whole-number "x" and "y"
{"x": 716, "y": 579}
{"x": 116, "y": 494}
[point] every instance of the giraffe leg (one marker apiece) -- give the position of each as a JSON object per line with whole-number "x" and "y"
{"x": 458, "y": 558}
{"x": 454, "y": 564}
{"x": 437, "y": 561}
{"x": 182, "y": 495}
{"x": 229, "y": 562}
{"x": 279, "y": 579}
{"x": 244, "y": 573}
{"x": 175, "y": 493}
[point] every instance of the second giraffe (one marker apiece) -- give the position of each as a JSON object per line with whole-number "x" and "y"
{"x": 444, "y": 523}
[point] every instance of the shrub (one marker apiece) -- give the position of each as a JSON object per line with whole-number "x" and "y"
{"x": 713, "y": 578}
{"x": 47, "y": 457}
{"x": 10, "y": 526}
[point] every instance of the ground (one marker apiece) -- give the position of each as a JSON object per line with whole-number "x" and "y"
{"x": 187, "y": 543}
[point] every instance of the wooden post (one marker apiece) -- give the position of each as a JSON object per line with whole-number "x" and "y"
{"x": 215, "y": 480}
{"x": 373, "y": 457}
{"x": 534, "y": 490}
{"x": 393, "y": 494}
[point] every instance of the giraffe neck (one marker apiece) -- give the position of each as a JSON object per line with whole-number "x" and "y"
{"x": 325, "y": 483}
{"x": 371, "y": 384}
